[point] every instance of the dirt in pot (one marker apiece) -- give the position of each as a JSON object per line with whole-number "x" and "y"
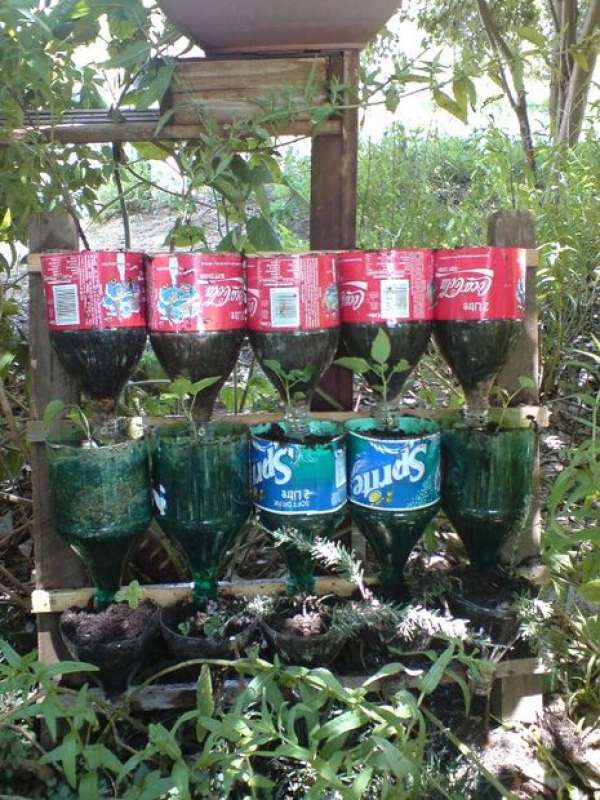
{"x": 277, "y": 434}
{"x": 117, "y": 622}
{"x": 304, "y": 616}
{"x": 493, "y": 590}
{"x": 228, "y": 617}
{"x": 388, "y": 433}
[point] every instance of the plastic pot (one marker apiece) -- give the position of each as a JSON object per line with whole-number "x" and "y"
{"x": 307, "y": 651}
{"x": 487, "y": 486}
{"x": 202, "y": 494}
{"x": 299, "y": 484}
{"x": 101, "y": 503}
{"x": 394, "y": 489}
{"x": 184, "y": 648}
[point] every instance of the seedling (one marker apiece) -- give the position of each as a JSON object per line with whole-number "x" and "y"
{"x": 187, "y": 393}
{"x": 75, "y": 414}
{"x": 289, "y": 380}
{"x": 381, "y": 369}
{"x": 132, "y": 594}
{"x": 506, "y": 398}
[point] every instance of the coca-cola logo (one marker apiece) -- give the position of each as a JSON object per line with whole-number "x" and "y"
{"x": 220, "y": 295}
{"x": 252, "y": 301}
{"x": 476, "y": 282}
{"x": 352, "y": 294}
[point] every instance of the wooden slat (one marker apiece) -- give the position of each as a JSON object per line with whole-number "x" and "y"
{"x": 253, "y": 76}
{"x": 520, "y": 416}
{"x": 168, "y": 697}
{"x": 165, "y": 594}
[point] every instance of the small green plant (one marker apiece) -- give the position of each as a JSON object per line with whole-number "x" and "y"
{"x": 132, "y": 594}
{"x": 75, "y": 414}
{"x": 505, "y": 397}
{"x": 381, "y": 369}
{"x": 187, "y": 393}
{"x": 289, "y": 380}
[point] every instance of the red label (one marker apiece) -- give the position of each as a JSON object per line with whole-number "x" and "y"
{"x": 292, "y": 292}
{"x": 480, "y": 283}
{"x": 378, "y": 286}
{"x": 94, "y": 290}
{"x": 192, "y": 292}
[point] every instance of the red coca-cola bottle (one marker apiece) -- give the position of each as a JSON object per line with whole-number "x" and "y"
{"x": 479, "y": 311}
{"x": 393, "y": 290}
{"x": 293, "y": 322}
{"x": 197, "y": 317}
{"x": 96, "y": 309}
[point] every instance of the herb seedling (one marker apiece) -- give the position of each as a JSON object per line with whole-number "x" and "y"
{"x": 132, "y": 594}
{"x": 380, "y": 368}
{"x": 289, "y": 380}
{"x": 506, "y": 398}
{"x": 187, "y": 393}
{"x": 75, "y": 414}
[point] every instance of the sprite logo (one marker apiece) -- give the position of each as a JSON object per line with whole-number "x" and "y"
{"x": 274, "y": 465}
{"x": 407, "y": 466}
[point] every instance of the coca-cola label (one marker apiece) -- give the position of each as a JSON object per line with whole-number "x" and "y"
{"x": 292, "y": 292}
{"x": 298, "y": 479}
{"x": 479, "y": 283}
{"x": 193, "y": 292}
{"x": 94, "y": 290}
{"x": 386, "y": 286}
{"x": 394, "y": 475}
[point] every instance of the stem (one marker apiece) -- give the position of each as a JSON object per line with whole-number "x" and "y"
{"x": 117, "y": 151}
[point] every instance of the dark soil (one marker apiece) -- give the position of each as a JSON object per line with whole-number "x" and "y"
{"x": 384, "y": 433}
{"x": 118, "y": 622}
{"x": 277, "y": 434}
{"x": 301, "y": 617}
{"x": 221, "y": 621}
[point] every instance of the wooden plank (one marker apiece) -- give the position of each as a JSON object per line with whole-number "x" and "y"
{"x": 55, "y": 563}
{"x": 516, "y": 228}
{"x": 50, "y": 601}
{"x": 168, "y": 697}
{"x": 333, "y": 201}
{"x": 518, "y": 697}
{"x": 523, "y": 415}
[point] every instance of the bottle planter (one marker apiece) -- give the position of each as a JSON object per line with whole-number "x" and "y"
{"x": 293, "y": 319}
{"x": 118, "y": 650}
{"x": 300, "y": 484}
{"x": 96, "y": 310}
{"x": 101, "y": 503}
{"x": 479, "y": 312}
{"x": 260, "y": 25}
{"x": 231, "y": 644}
{"x": 390, "y": 289}
{"x": 394, "y": 489}
{"x": 201, "y": 494}
{"x": 486, "y": 485}
{"x": 307, "y": 649}
{"x": 197, "y": 317}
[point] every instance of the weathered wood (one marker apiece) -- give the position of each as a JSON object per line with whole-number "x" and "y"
{"x": 239, "y": 89}
{"x": 521, "y": 416}
{"x": 165, "y": 594}
{"x": 518, "y": 697}
{"x": 333, "y": 201}
{"x": 55, "y": 563}
{"x": 174, "y": 696}
{"x": 517, "y": 229}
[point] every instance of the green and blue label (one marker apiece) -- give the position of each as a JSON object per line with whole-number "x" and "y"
{"x": 296, "y": 478}
{"x": 394, "y": 474}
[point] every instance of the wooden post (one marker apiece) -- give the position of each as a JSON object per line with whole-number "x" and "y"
{"x": 56, "y": 566}
{"x": 520, "y": 697}
{"x": 333, "y": 202}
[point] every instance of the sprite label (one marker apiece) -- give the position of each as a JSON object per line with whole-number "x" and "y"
{"x": 289, "y": 478}
{"x": 394, "y": 474}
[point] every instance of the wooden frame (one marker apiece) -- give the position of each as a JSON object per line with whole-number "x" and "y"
{"x": 59, "y": 573}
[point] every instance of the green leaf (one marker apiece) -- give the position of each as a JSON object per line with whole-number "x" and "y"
{"x": 349, "y": 721}
{"x": 205, "y": 701}
{"x": 591, "y": 591}
{"x": 132, "y": 55}
{"x": 88, "y": 787}
{"x": 181, "y": 388}
{"x": 531, "y": 35}
{"x": 200, "y": 386}
{"x": 358, "y": 365}
{"x": 262, "y": 235}
{"x": 392, "y": 99}
{"x": 451, "y": 106}
{"x": 6, "y": 220}
{"x": 381, "y": 347}
{"x": 430, "y": 682}
{"x": 68, "y": 756}
{"x": 151, "y": 151}
{"x": 274, "y": 366}
{"x": 385, "y": 672}
{"x": 526, "y": 383}
{"x": 53, "y": 409}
